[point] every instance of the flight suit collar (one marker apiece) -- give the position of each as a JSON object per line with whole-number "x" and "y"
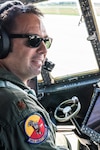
{"x": 6, "y": 75}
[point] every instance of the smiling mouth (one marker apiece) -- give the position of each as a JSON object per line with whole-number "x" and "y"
{"x": 38, "y": 62}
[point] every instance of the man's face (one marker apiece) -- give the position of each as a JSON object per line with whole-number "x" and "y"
{"x": 24, "y": 61}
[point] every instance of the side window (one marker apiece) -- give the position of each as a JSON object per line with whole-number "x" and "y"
{"x": 71, "y": 52}
{"x": 96, "y": 8}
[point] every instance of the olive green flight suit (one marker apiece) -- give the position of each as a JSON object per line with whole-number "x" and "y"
{"x": 24, "y": 123}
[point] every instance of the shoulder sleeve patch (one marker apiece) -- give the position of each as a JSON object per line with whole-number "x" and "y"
{"x": 36, "y": 129}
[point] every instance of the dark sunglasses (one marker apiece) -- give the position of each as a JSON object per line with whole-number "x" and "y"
{"x": 33, "y": 40}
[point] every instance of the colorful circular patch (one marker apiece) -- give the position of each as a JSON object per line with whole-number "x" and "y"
{"x": 36, "y": 128}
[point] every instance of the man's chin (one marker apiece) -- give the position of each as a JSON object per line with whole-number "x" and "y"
{"x": 38, "y": 71}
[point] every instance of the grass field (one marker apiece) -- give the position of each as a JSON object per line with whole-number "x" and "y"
{"x": 71, "y": 9}
{"x": 62, "y": 10}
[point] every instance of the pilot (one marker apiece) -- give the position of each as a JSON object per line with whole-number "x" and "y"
{"x": 24, "y": 42}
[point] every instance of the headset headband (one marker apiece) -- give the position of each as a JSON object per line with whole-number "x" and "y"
{"x": 5, "y": 6}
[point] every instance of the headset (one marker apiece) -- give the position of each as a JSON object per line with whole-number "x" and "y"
{"x": 5, "y": 43}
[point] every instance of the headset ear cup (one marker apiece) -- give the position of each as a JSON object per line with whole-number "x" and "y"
{"x": 4, "y": 44}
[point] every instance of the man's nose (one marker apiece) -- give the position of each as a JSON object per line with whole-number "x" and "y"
{"x": 42, "y": 48}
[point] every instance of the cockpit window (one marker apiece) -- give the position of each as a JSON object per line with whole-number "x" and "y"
{"x": 71, "y": 51}
{"x": 96, "y": 14}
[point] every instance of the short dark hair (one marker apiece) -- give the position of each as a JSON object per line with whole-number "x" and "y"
{"x": 7, "y": 17}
